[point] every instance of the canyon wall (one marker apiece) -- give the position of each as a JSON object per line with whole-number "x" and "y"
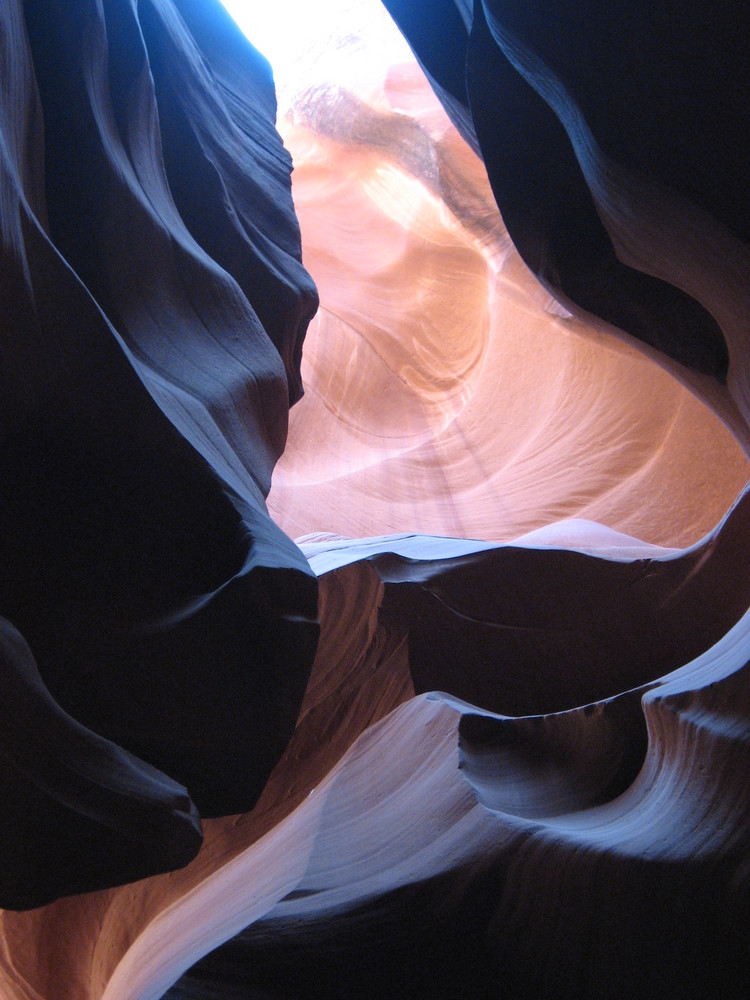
{"x": 483, "y": 730}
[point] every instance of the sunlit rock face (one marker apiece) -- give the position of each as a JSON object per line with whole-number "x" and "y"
{"x": 519, "y": 767}
{"x": 446, "y": 391}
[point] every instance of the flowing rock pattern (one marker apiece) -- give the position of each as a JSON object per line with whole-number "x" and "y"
{"x": 519, "y": 766}
{"x": 483, "y": 414}
{"x": 143, "y": 407}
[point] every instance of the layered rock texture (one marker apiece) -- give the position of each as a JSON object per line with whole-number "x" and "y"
{"x": 144, "y": 403}
{"x": 483, "y": 732}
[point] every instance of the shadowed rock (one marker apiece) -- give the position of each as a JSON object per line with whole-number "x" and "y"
{"x": 144, "y": 404}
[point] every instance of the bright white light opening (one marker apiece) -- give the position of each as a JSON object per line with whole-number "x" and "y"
{"x": 345, "y": 42}
{"x": 281, "y": 29}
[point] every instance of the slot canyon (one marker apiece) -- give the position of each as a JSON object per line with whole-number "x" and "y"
{"x": 374, "y": 599}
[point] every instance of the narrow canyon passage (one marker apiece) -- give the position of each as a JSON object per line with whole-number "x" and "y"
{"x": 431, "y": 681}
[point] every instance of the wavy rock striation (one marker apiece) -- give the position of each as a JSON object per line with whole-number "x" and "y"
{"x": 518, "y": 766}
{"x": 595, "y": 837}
{"x": 487, "y": 410}
{"x": 144, "y": 404}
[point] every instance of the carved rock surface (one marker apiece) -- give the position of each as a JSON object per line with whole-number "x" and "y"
{"x": 520, "y": 762}
{"x": 446, "y": 391}
{"x": 144, "y": 404}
